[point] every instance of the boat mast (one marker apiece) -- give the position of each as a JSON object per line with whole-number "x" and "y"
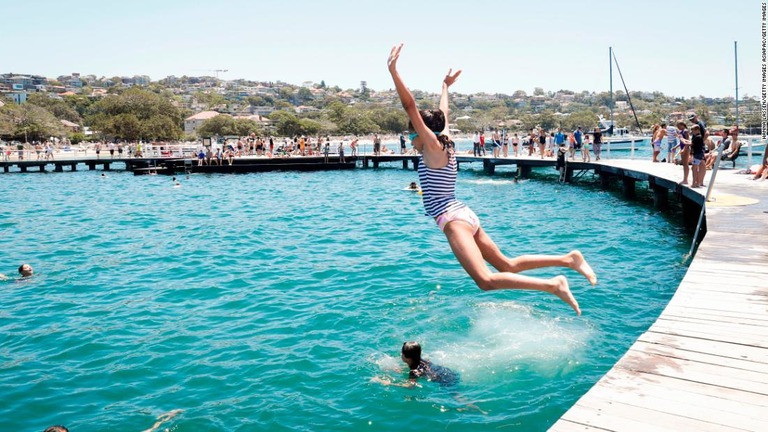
{"x": 736, "y": 73}
{"x": 610, "y": 68}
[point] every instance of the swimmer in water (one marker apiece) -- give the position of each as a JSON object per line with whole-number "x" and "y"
{"x": 469, "y": 242}
{"x": 419, "y": 367}
{"x": 413, "y": 187}
{"x": 25, "y": 270}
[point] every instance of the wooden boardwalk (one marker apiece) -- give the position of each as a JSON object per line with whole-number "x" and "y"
{"x": 703, "y": 365}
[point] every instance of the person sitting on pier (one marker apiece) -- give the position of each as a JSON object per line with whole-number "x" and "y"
{"x": 471, "y": 245}
{"x": 761, "y": 172}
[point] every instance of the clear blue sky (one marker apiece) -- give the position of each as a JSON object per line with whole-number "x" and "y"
{"x": 679, "y": 47}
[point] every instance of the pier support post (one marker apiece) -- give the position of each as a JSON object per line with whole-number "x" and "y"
{"x": 691, "y": 212}
{"x": 405, "y": 164}
{"x": 74, "y": 167}
{"x": 416, "y": 164}
{"x": 91, "y": 166}
{"x": 42, "y": 168}
{"x": 6, "y": 168}
{"x": 660, "y": 197}
{"x": 628, "y": 185}
{"x": 23, "y": 168}
{"x": 605, "y": 181}
{"x": 106, "y": 166}
{"x": 58, "y": 167}
{"x": 523, "y": 171}
{"x": 376, "y": 163}
{"x": 489, "y": 167}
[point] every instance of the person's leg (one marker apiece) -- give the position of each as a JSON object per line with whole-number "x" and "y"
{"x": 468, "y": 253}
{"x": 573, "y": 260}
{"x": 684, "y": 160}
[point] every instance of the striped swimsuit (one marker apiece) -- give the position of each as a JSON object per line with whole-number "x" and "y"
{"x": 438, "y": 188}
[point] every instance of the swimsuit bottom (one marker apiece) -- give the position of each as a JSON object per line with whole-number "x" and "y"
{"x": 464, "y": 214}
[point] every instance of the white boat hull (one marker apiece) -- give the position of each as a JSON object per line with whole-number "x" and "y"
{"x": 623, "y": 143}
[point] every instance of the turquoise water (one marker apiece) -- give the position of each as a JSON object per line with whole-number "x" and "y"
{"x": 269, "y": 301}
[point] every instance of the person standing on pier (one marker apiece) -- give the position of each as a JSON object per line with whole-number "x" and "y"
{"x": 496, "y": 143}
{"x": 469, "y": 242}
{"x": 376, "y": 145}
{"x": 341, "y": 152}
{"x": 476, "y": 144}
{"x": 597, "y": 143}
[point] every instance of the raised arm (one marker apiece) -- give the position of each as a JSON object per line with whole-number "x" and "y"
{"x": 407, "y": 99}
{"x": 447, "y": 82}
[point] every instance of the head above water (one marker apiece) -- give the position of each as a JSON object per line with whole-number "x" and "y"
{"x": 25, "y": 270}
{"x": 56, "y": 428}
{"x": 411, "y": 353}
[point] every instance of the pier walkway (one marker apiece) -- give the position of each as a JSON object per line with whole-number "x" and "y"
{"x": 703, "y": 365}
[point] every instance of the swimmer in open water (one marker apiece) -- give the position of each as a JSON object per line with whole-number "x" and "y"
{"x": 469, "y": 242}
{"x": 25, "y": 270}
{"x": 421, "y": 368}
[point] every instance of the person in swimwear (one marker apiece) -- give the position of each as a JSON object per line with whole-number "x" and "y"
{"x": 420, "y": 368}
{"x": 469, "y": 242}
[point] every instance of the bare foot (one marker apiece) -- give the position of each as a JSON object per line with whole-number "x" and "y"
{"x": 564, "y": 292}
{"x": 579, "y": 264}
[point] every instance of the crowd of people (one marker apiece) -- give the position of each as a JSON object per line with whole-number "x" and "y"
{"x": 539, "y": 142}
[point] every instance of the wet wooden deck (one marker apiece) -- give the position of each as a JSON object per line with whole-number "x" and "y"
{"x": 703, "y": 365}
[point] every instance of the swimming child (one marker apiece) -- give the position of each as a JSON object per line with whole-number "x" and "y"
{"x": 469, "y": 242}
{"x": 421, "y": 368}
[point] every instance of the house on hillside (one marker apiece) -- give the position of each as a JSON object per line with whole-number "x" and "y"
{"x": 69, "y": 126}
{"x": 193, "y": 122}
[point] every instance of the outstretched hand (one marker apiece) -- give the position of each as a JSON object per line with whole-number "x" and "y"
{"x": 393, "y": 56}
{"x": 450, "y": 79}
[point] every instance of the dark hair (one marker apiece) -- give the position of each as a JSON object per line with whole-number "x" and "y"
{"x": 57, "y": 428}
{"x": 435, "y": 121}
{"x": 21, "y": 268}
{"x": 412, "y": 351}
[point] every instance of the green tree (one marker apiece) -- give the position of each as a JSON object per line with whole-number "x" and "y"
{"x": 226, "y": 125}
{"x": 286, "y": 123}
{"x": 29, "y": 122}
{"x": 210, "y": 99}
{"x": 58, "y": 107}
{"x": 547, "y": 120}
{"x": 304, "y": 95}
{"x": 309, "y": 127}
{"x": 136, "y": 114}
{"x": 586, "y": 119}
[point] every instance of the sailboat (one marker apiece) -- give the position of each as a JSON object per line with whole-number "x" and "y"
{"x": 618, "y": 138}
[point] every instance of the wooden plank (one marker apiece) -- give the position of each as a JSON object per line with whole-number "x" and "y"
{"x": 680, "y": 309}
{"x": 623, "y": 380}
{"x": 714, "y": 359}
{"x": 706, "y": 409}
{"x": 711, "y": 332}
{"x": 724, "y": 349}
{"x": 721, "y": 376}
{"x": 569, "y": 426}
{"x": 618, "y": 416}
